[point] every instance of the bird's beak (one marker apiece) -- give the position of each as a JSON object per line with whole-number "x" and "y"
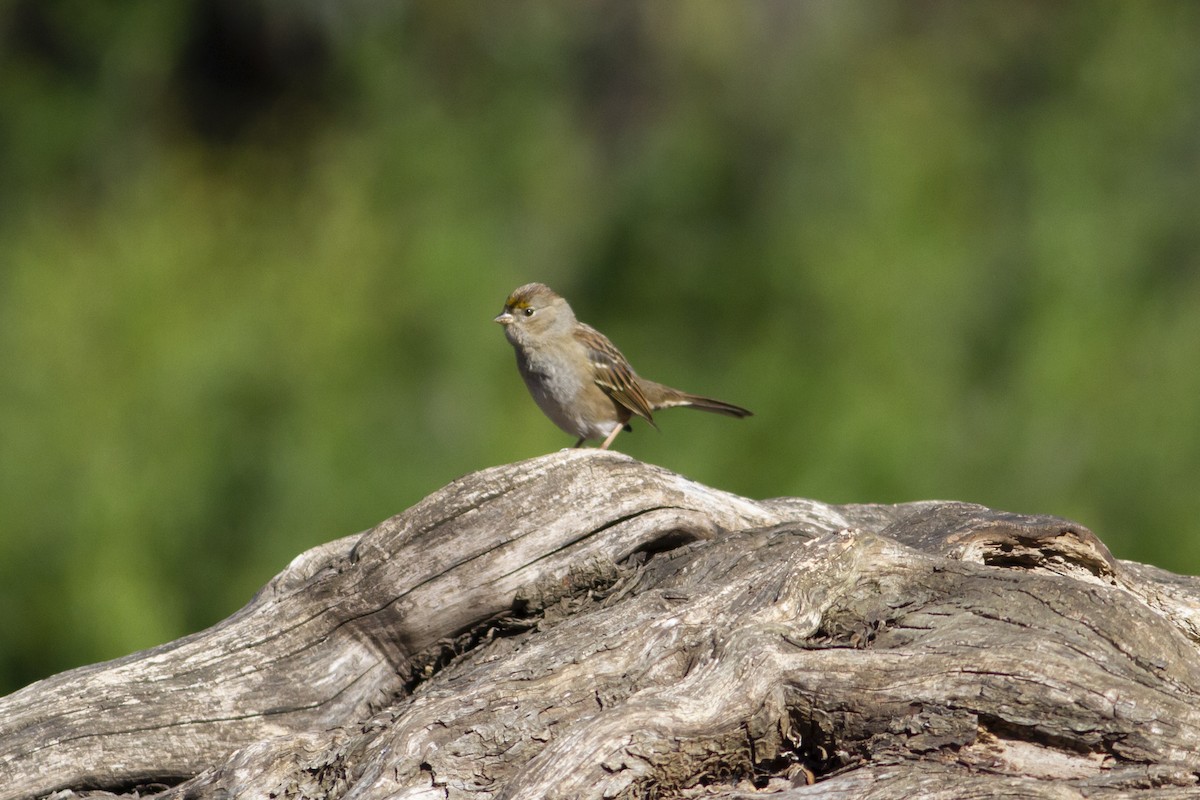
{"x": 504, "y": 319}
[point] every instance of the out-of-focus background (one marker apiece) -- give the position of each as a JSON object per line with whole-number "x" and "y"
{"x": 250, "y": 251}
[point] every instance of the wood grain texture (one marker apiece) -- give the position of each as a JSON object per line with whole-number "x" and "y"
{"x": 584, "y": 625}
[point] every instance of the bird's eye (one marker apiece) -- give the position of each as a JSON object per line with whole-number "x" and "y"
{"x": 529, "y": 312}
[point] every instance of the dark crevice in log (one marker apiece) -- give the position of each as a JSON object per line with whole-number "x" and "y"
{"x": 428, "y": 663}
{"x": 1004, "y": 730}
{"x": 671, "y": 539}
{"x": 533, "y": 607}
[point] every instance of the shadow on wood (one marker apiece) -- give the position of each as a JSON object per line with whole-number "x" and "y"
{"x": 584, "y": 625}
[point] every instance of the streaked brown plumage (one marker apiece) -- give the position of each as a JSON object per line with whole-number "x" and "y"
{"x": 579, "y": 379}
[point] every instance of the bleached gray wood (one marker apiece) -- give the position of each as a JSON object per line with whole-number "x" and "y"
{"x": 584, "y": 625}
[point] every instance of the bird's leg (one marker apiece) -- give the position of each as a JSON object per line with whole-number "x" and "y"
{"x": 616, "y": 429}
{"x": 579, "y": 442}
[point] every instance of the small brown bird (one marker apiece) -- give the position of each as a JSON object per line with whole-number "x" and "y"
{"x": 577, "y": 376}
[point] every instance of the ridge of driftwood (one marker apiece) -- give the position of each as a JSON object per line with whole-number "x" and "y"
{"x": 585, "y": 625}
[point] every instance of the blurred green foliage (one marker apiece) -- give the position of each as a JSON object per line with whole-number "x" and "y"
{"x": 250, "y": 251}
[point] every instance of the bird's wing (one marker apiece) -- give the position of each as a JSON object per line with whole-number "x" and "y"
{"x": 612, "y": 372}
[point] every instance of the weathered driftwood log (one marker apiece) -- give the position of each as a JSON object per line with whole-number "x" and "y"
{"x": 584, "y": 625}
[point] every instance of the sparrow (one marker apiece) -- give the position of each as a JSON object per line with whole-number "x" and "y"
{"x": 579, "y": 379}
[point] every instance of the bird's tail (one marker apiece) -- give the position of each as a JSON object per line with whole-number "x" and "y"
{"x": 666, "y": 397}
{"x": 716, "y": 406}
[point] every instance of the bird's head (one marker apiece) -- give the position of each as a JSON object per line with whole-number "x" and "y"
{"x": 535, "y": 310}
